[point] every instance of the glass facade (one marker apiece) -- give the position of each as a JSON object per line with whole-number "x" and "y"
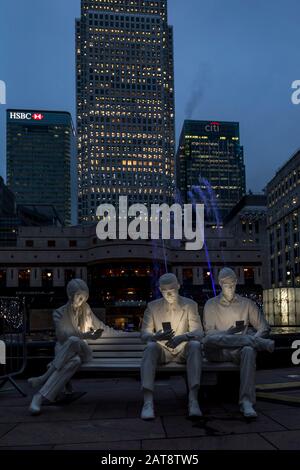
{"x": 39, "y": 157}
{"x": 125, "y": 103}
{"x": 210, "y": 166}
{"x": 283, "y": 225}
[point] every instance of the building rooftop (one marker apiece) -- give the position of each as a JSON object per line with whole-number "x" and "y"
{"x": 253, "y": 202}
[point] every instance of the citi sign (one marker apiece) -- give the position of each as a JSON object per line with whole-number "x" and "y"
{"x": 26, "y": 116}
{"x": 212, "y": 127}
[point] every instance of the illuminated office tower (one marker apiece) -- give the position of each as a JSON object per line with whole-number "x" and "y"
{"x": 210, "y": 166}
{"x": 125, "y": 103}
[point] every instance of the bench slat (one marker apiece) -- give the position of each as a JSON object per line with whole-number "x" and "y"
{"x": 119, "y": 347}
{"x": 109, "y": 340}
{"x": 135, "y": 363}
{"x": 124, "y": 353}
{"x": 118, "y": 354}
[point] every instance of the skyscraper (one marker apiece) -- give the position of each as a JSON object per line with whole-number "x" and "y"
{"x": 39, "y": 157}
{"x": 125, "y": 103}
{"x": 210, "y": 166}
{"x": 283, "y": 193}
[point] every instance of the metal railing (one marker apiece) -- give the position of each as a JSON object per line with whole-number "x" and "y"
{"x": 12, "y": 340}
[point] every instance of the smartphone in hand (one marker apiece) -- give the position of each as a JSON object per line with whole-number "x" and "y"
{"x": 97, "y": 332}
{"x": 166, "y": 326}
{"x": 240, "y": 325}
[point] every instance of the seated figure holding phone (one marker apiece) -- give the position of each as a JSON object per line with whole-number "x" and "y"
{"x": 74, "y": 324}
{"x": 172, "y": 330}
{"x": 235, "y": 330}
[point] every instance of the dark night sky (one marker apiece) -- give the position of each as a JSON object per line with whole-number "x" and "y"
{"x": 234, "y": 60}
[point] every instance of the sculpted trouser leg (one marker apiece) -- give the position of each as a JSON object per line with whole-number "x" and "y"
{"x": 246, "y": 358}
{"x": 66, "y": 362}
{"x": 74, "y": 346}
{"x": 193, "y": 358}
{"x": 237, "y": 341}
{"x": 59, "y": 378}
{"x": 63, "y": 353}
{"x": 152, "y": 356}
{"x": 247, "y": 374}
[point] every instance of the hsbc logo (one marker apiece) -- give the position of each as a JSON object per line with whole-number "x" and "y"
{"x": 37, "y": 116}
{"x": 26, "y": 116}
{"x": 213, "y": 127}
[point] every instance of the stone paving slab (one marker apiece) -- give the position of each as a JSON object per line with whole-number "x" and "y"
{"x": 123, "y": 445}
{"x": 162, "y": 408}
{"x": 237, "y": 424}
{"x": 72, "y": 412}
{"x": 265, "y": 406}
{"x": 238, "y": 442}
{"x": 181, "y": 426}
{"x": 284, "y": 440}
{"x": 5, "y": 428}
{"x": 31, "y": 448}
{"x": 82, "y": 432}
{"x": 289, "y": 417}
{"x": 116, "y": 410}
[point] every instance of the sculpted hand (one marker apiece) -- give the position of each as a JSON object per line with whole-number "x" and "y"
{"x": 96, "y": 334}
{"x": 92, "y": 334}
{"x": 234, "y": 329}
{"x": 176, "y": 341}
{"x": 163, "y": 335}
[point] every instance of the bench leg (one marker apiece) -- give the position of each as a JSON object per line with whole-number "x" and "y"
{"x": 186, "y": 383}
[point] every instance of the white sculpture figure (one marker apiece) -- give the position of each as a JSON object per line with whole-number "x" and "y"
{"x": 229, "y": 337}
{"x": 173, "y": 331}
{"x": 74, "y": 324}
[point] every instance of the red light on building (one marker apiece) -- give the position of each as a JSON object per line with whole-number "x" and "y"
{"x": 215, "y": 123}
{"x": 37, "y": 116}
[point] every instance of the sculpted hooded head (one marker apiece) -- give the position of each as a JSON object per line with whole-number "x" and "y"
{"x": 78, "y": 292}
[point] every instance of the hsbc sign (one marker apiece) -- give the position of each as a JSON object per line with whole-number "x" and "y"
{"x": 26, "y": 116}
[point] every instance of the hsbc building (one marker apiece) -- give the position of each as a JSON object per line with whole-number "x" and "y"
{"x": 41, "y": 159}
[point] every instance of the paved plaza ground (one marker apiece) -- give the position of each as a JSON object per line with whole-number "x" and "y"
{"x": 106, "y": 417}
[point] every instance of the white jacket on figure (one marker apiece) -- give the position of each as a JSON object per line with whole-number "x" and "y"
{"x": 219, "y": 315}
{"x": 67, "y": 324}
{"x": 186, "y": 321}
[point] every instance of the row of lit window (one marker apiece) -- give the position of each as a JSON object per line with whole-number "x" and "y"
{"x": 123, "y": 39}
{"x": 138, "y": 102}
{"x": 146, "y": 190}
{"x": 207, "y": 137}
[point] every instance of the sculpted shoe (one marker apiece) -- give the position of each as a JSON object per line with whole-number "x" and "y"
{"x": 248, "y": 410}
{"x": 194, "y": 409}
{"x": 36, "y": 403}
{"x": 148, "y": 411}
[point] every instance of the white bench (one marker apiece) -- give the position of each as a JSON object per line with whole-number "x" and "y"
{"x": 124, "y": 354}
